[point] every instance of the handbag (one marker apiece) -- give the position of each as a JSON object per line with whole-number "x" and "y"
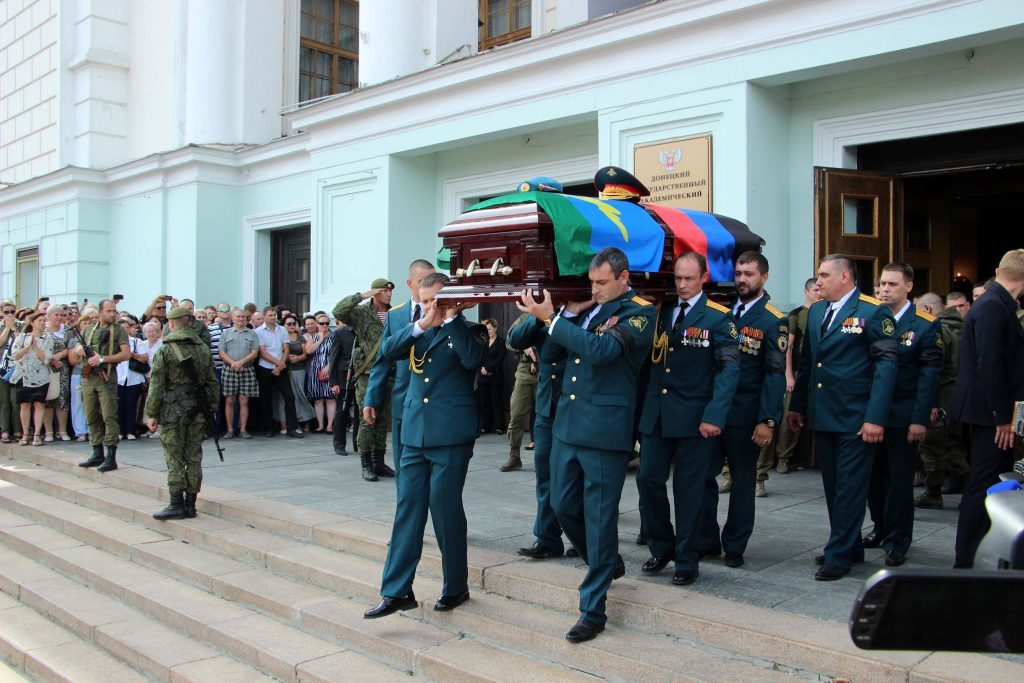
{"x": 53, "y": 391}
{"x": 141, "y": 367}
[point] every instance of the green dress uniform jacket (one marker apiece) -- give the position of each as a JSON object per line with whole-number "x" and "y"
{"x": 550, "y": 363}
{"x": 764, "y": 336}
{"x": 918, "y": 364}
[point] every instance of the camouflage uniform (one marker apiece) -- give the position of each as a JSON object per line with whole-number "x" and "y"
{"x": 173, "y": 401}
{"x": 99, "y": 398}
{"x": 523, "y": 393}
{"x": 366, "y": 324}
{"x": 201, "y": 330}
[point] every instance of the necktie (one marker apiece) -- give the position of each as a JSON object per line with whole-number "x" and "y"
{"x": 416, "y": 312}
{"x": 827, "y": 321}
{"x": 739, "y": 311}
{"x": 682, "y": 313}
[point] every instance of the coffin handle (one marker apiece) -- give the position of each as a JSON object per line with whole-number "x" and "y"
{"x": 496, "y": 269}
{"x": 468, "y": 272}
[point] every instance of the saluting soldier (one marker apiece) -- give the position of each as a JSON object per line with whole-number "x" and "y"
{"x": 606, "y": 340}
{"x": 444, "y": 353}
{"x": 367, "y": 321}
{"x": 694, "y": 373}
{"x": 109, "y": 342}
{"x": 918, "y": 361}
{"x": 844, "y": 387}
{"x": 174, "y": 406}
{"x": 755, "y": 412}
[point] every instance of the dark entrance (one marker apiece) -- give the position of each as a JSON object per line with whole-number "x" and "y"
{"x": 289, "y": 265}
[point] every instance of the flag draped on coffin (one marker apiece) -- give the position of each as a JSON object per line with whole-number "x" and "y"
{"x": 584, "y": 225}
{"x": 719, "y": 238}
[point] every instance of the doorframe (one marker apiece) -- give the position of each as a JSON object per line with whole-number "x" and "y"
{"x": 256, "y": 248}
{"x": 836, "y": 139}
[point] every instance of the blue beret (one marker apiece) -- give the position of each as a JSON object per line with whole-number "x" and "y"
{"x": 540, "y": 184}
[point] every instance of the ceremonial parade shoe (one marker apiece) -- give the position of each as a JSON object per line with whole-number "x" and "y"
{"x": 829, "y": 572}
{"x": 685, "y": 578}
{"x": 539, "y": 552}
{"x": 640, "y": 540}
{"x": 572, "y": 552}
{"x": 95, "y": 459}
{"x": 391, "y": 605}
{"x": 733, "y": 560}
{"x": 820, "y": 560}
{"x": 655, "y": 564}
{"x": 894, "y": 558}
{"x": 340, "y": 450}
{"x": 583, "y": 631}
{"x": 701, "y": 554}
{"x": 446, "y": 603}
{"x": 873, "y": 540}
{"x": 620, "y": 569}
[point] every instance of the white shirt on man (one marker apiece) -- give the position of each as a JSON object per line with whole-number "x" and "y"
{"x": 273, "y": 341}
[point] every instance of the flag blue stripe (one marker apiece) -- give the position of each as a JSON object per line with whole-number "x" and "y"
{"x": 721, "y": 245}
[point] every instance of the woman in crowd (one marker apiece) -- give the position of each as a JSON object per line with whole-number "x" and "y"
{"x": 490, "y": 382}
{"x": 78, "y": 421}
{"x": 296, "y": 373}
{"x": 318, "y": 374}
{"x": 8, "y": 406}
{"x": 32, "y": 353}
{"x": 202, "y": 315}
{"x": 151, "y": 331}
{"x": 55, "y": 321}
{"x": 309, "y": 323}
{"x": 130, "y": 381}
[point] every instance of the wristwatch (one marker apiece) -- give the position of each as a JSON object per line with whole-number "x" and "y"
{"x": 770, "y": 423}
{"x": 549, "y": 321}
{"x": 101, "y": 360}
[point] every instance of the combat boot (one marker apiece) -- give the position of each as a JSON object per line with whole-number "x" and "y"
{"x": 380, "y": 466}
{"x": 95, "y": 459}
{"x": 514, "y": 462}
{"x": 109, "y": 462}
{"x": 190, "y": 504}
{"x": 367, "y": 462}
{"x": 175, "y": 508}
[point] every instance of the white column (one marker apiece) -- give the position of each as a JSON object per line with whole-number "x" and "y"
{"x": 213, "y": 71}
{"x": 392, "y": 39}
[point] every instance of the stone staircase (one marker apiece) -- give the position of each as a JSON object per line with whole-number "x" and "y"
{"x": 93, "y": 588}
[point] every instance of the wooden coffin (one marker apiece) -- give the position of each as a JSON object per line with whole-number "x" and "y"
{"x": 498, "y": 252}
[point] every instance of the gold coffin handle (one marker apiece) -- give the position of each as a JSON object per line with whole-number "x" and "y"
{"x": 497, "y": 269}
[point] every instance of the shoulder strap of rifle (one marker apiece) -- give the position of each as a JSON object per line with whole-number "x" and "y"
{"x": 369, "y": 358}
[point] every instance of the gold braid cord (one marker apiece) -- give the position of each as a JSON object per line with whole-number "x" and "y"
{"x": 416, "y": 364}
{"x": 660, "y": 342}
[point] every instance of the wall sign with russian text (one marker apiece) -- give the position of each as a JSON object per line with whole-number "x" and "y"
{"x": 677, "y": 172}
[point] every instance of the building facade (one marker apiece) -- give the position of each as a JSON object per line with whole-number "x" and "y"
{"x": 193, "y": 148}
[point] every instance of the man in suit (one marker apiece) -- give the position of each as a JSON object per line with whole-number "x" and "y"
{"x": 755, "y": 412}
{"x": 606, "y": 340}
{"x": 918, "y": 362}
{"x": 340, "y": 381}
{"x": 989, "y": 379}
{"x": 381, "y": 371}
{"x": 695, "y": 368}
{"x": 843, "y": 387}
{"x": 529, "y": 332}
{"x": 439, "y": 425}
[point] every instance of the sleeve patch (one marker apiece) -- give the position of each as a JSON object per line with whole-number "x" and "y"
{"x": 783, "y": 342}
{"x": 639, "y": 322}
{"x": 888, "y": 328}
{"x": 938, "y": 341}
{"x": 732, "y": 330}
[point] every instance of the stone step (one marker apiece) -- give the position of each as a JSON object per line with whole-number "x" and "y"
{"x": 222, "y": 618}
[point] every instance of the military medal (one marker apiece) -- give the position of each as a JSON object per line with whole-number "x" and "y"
{"x": 907, "y": 338}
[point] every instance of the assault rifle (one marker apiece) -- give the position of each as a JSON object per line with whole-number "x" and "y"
{"x": 89, "y": 353}
{"x": 204, "y": 404}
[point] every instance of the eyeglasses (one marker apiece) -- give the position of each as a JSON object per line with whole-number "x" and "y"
{"x": 291, "y": 323}
{"x": 322, "y": 322}
{"x": 9, "y": 311}
{"x": 160, "y": 308}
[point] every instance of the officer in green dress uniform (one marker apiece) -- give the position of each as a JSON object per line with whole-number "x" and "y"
{"x": 756, "y": 409}
{"x": 918, "y": 363}
{"x": 695, "y": 368}
{"x": 439, "y": 425}
{"x": 844, "y": 386}
{"x": 606, "y": 340}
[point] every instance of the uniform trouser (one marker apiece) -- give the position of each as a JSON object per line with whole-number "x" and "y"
{"x": 987, "y": 463}
{"x": 282, "y": 384}
{"x": 692, "y": 458}
{"x": 891, "y": 491}
{"x": 586, "y": 485}
{"x": 372, "y": 438}
{"x": 431, "y": 479}
{"x": 845, "y": 461}
{"x": 546, "y": 528}
{"x": 943, "y": 453}
{"x": 519, "y": 410}
{"x": 100, "y": 401}
{"x": 183, "y": 451}
{"x": 736, "y": 447}
{"x": 765, "y": 460}
{"x": 9, "y": 410}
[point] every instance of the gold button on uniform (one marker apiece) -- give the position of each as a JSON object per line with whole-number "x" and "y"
{"x": 664, "y": 391}
{"x": 426, "y": 379}
{"x": 572, "y": 397}
{"x": 668, "y": 369}
{"x": 426, "y": 400}
{"x": 554, "y": 376}
{"x": 577, "y": 361}
{"x": 819, "y": 365}
{"x": 573, "y": 379}
{"x": 671, "y": 348}
{"x": 819, "y": 385}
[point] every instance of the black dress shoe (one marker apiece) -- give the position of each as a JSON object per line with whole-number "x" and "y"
{"x": 655, "y": 564}
{"x": 620, "y": 569}
{"x": 340, "y": 450}
{"x": 640, "y": 539}
{"x": 539, "y": 552}
{"x": 685, "y": 578}
{"x": 830, "y": 573}
{"x": 873, "y": 540}
{"x": 701, "y": 554}
{"x": 820, "y": 560}
{"x": 894, "y": 558}
{"x": 733, "y": 560}
{"x": 572, "y": 552}
{"x": 391, "y": 605}
{"x": 583, "y": 631}
{"x": 446, "y": 603}
{"x": 293, "y": 434}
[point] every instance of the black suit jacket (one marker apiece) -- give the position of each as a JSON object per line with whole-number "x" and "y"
{"x": 991, "y": 373}
{"x": 341, "y": 354}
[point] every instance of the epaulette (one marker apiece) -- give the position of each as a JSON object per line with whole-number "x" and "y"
{"x": 774, "y": 311}
{"x": 718, "y": 307}
{"x": 926, "y": 316}
{"x": 395, "y": 308}
{"x": 639, "y": 300}
{"x": 870, "y": 300}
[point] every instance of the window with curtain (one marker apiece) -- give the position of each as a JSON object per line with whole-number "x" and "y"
{"x": 503, "y": 21}
{"x": 328, "y": 48}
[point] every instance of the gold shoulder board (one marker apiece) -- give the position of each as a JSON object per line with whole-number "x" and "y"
{"x": 926, "y": 316}
{"x": 639, "y": 300}
{"x": 718, "y": 307}
{"x": 870, "y": 299}
{"x": 395, "y": 308}
{"x": 774, "y": 311}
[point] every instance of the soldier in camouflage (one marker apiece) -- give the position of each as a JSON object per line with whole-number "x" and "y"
{"x": 174, "y": 406}
{"x": 367, "y": 321}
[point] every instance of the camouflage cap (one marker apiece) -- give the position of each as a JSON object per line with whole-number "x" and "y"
{"x": 179, "y": 312}
{"x": 382, "y": 283}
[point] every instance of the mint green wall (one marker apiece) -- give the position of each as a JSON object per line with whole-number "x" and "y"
{"x": 412, "y": 207}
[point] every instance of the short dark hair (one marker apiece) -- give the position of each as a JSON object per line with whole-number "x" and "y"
{"x": 811, "y": 281}
{"x": 251, "y": 307}
{"x": 421, "y": 263}
{"x": 754, "y": 257}
{"x": 188, "y": 300}
{"x": 956, "y": 296}
{"x": 615, "y": 258}
{"x": 904, "y": 269}
{"x": 269, "y": 308}
{"x": 435, "y": 278}
{"x": 843, "y": 262}
{"x": 699, "y": 259}
{"x": 104, "y": 302}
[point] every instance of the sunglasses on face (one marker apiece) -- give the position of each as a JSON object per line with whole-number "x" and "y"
{"x": 161, "y": 308}
{"x": 9, "y": 311}
{"x": 322, "y": 322}
{"x": 291, "y": 323}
